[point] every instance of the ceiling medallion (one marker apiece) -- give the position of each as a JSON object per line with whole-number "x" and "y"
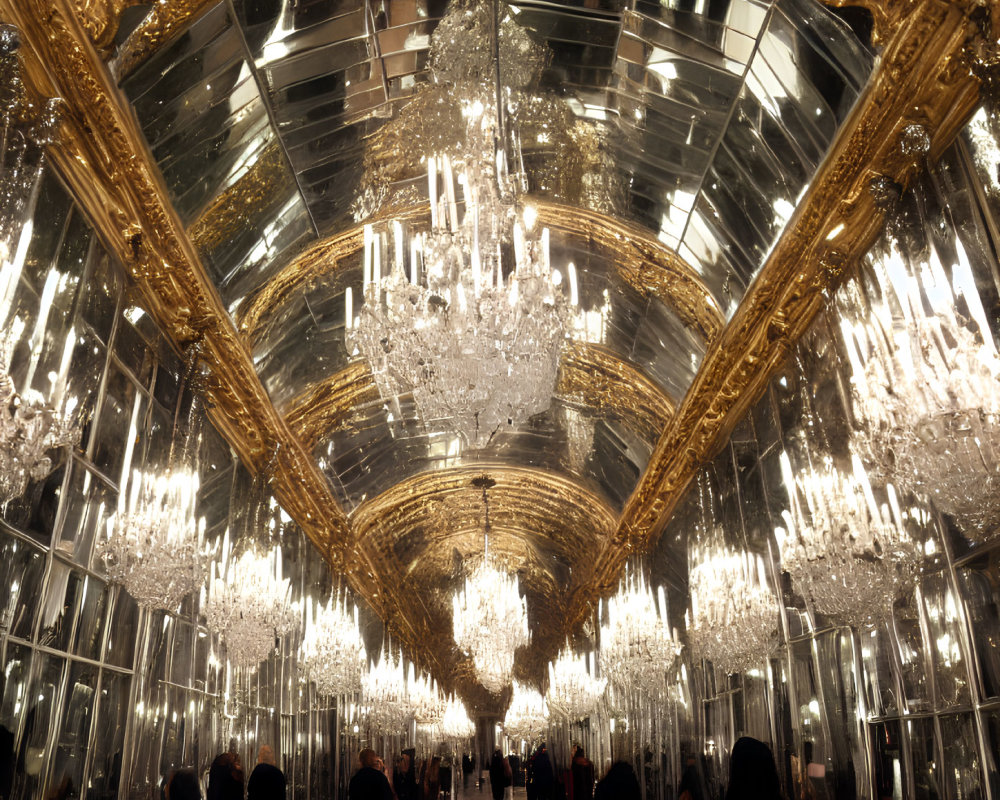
{"x": 490, "y": 618}
{"x": 470, "y": 317}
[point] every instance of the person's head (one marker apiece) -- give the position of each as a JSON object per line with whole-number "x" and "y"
{"x": 182, "y": 785}
{"x": 622, "y": 781}
{"x": 368, "y": 758}
{"x": 578, "y": 753}
{"x": 225, "y": 777}
{"x": 266, "y": 755}
{"x": 752, "y": 772}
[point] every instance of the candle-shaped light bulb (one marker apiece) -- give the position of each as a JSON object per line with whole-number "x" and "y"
{"x": 348, "y": 308}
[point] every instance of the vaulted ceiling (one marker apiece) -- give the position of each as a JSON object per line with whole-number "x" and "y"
{"x": 703, "y": 163}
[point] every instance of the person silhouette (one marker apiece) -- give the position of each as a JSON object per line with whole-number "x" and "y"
{"x": 752, "y": 772}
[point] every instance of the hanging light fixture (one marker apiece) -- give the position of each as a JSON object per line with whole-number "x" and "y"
{"x": 248, "y": 602}
{"x": 527, "y": 717}
{"x": 456, "y": 724}
{"x": 384, "y": 693}
{"x": 925, "y": 385}
{"x": 470, "y": 317}
{"x": 848, "y": 555}
{"x": 332, "y": 653}
{"x": 30, "y": 426}
{"x": 574, "y": 688}
{"x": 733, "y": 617}
{"x": 425, "y": 699}
{"x": 490, "y": 618}
{"x": 638, "y": 649}
{"x": 155, "y": 546}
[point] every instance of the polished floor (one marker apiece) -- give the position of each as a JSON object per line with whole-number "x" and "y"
{"x": 473, "y": 793}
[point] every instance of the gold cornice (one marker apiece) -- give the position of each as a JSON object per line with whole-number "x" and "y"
{"x": 531, "y": 503}
{"x": 164, "y": 21}
{"x": 589, "y": 375}
{"x": 640, "y": 260}
{"x": 923, "y": 77}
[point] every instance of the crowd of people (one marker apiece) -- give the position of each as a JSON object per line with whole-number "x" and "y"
{"x": 226, "y": 780}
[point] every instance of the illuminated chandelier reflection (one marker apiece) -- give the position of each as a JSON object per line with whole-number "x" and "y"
{"x": 574, "y": 688}
{"x": 489, "y": 616}
{"x": 848, "y": 555}
{"x": 527, "y": 716}
{"x": 733, "y": 617}
{"x": 248, "y": 602}
{"x": 456, "y": 724}
{"x": 427, "y": 704}
{"x": 332, "y": 653}
{"x": 470, "y": 318}
{"x": 925, "y": 386}
{"x": 30, "y": 427}
{"x": 638, "y": 649}
{"x": 155, "y": 546}
{"x": 384, "y": 693}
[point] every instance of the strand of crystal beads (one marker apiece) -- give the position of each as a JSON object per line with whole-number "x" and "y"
{"x": 490, "y": 621}
{"x": 248, "y": 603}
{"x": 733, "y": 618}
{"x": 849, "y": 556}
{"x": 638, "y": 649}
{"x": 574, "y": 688}
{"x": 527, "y": 716}
{"x": 155, "y": 547}
{"x": 925, "y": 386}
{"x": 332, "y": 653}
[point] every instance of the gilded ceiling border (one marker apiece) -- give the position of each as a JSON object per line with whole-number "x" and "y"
{"x": 923, "y": 78}
{"x": 102, "y": 155}
{"x": 641, "y": 262}
{"x": 589, "y": 375}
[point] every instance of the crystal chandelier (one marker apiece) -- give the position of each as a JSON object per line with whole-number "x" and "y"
{"x": 489, "y": 616}
{"x": 332, "y": 653}
{"x": 30, "y": 427}
{"x": 638, "y": 648}
{"x": 455, "y": 722}
{"x": 426, "y": 701}
{"x": 469, "y": 317}
{"x": 384, "y": 693}
{"x": 527, "y": 717}
{"x": 248, "y": 603}
{"x": 734, "y": 612}
{"x": 574, "y": 688}
{"x": 850, "y": 557}
{"x": 925, "y": 387}
{"x": 155, "y": 546}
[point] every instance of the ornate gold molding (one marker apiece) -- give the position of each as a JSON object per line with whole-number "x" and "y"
{"x": 105, "y": 160}
{"x": 164, "y": 21}
{"x": 923, "y": 78}
{"x": 640, "y": 260}
{"x": 589, "y": 374}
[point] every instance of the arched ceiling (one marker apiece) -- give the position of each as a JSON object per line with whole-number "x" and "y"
{"x": 667, "y": 145}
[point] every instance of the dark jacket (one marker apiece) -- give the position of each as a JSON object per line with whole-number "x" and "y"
{"x": 369, "y": 784}
{"x": 267, "y": 782}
